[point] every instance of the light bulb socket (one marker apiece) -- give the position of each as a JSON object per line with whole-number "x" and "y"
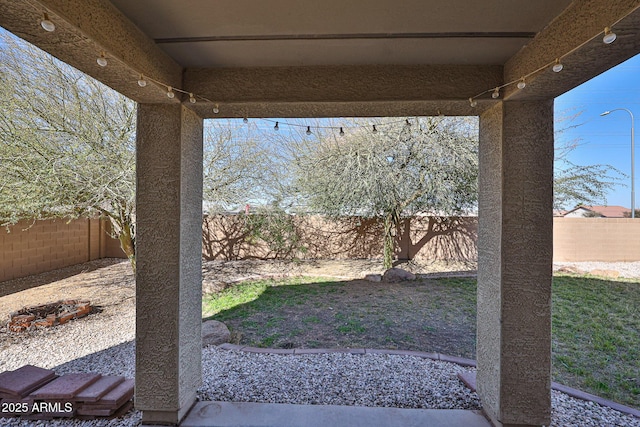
{"x": 102, "y": 60}
{"x": 47, "y": 24}
{"x": 609, "y": 36}
{"x": 557, "y": 67}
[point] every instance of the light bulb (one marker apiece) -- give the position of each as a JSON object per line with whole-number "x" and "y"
{"x": 521, "y": 84}
{"x": 473, "y": 102}
{"x": 341, "y": 132}
{"x": 276, "y": 127}
{"x": 557, "y": 67}
{"x": 170, "y": 93}
{"x": 609, "y": 36}
{"x": 102, "y": 61}
{"x": 374, "y": 129}
{"x": 192, "y": 99}
{"x": 141, "y": 81}
{"x": 46, "y": 23}
{"x": 216, "y": 109}
{"x": 496, "y": 93}
{"x": 308, "y": 130}
{"x": 245, "y": 120}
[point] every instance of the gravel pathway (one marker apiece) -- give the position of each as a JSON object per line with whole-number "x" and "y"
{"x": 104, "y": 343}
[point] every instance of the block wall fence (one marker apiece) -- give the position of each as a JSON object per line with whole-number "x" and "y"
{"x": 31, "y": 248}
{"x": 51, "y": 244}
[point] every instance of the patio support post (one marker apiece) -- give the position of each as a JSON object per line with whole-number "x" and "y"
{"x": 169, "y": 262}
{"x": 515, "y": 245}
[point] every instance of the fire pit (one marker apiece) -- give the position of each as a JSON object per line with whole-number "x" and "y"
{"x": 47, "y": 315}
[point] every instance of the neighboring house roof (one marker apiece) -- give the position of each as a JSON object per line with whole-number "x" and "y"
{"x": 559, "y": 212}
{"x": 605, "y": 211}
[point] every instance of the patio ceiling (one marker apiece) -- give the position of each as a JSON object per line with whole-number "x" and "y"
{"x": 246, "y": 33}
{"x": 333, "y": 57}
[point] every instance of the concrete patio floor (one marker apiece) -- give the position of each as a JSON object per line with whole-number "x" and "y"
{"x": 238, "y": 414}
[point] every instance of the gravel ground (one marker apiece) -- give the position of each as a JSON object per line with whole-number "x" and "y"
{"x": 103, "y": 343}
{"x": 628, "y": 270}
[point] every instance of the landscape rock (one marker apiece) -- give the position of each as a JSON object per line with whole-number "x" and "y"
{"x": 571, "y": 269}
{"x": 613, "y": 274}
{"x": 397, "y": 275}
{"x": 373, "y": 277}
{"x": 214, "y": 333}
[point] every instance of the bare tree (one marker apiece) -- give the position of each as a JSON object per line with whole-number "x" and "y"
{"x": 578, "y": 184}
{"x": 405, "y": 167}
{"x": 67, "y": 144}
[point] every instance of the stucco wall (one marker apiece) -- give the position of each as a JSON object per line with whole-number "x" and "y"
{"x": 596, "y": 239}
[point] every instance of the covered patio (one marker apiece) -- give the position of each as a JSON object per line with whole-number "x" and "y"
{"x": 501, "y": 60}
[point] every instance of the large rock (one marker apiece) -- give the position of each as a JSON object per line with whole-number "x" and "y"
{"x": 605, "y": 273}
{"x": 397, "y": 275}
{"x": 214, "y": 333}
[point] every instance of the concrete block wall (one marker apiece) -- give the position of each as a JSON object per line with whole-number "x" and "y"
{"x": 31, "y": 248}
{"x": 596, "y": 239}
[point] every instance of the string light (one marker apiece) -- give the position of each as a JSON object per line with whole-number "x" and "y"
{"x": 557, "y": 67}
{"x": 609, "y": 36}
{"x": 46, "y": 23}
{"x": 102, "y": 60}
{"x": 308, "y": 130}
{"x": 276, "y": 127}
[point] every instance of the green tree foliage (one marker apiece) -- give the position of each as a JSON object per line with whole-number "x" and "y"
{"x": 66, "y": 144}
{"x": 429, "y": 166}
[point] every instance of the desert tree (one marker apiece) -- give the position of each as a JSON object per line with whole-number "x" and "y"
{"x": 408, "y": 166}
{"x": 67, "y": 144}
{"x": 575, "y": 184}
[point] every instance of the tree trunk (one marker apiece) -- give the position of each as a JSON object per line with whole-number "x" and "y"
{"x": 388, "y": 241}
{"x": 127, "y": 244}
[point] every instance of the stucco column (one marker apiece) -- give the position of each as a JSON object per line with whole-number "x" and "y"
{"x": 169, "y": 260}
{"x": 515, "y": 245}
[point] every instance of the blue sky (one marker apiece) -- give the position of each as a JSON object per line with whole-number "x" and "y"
{"x": 605, "y": 140}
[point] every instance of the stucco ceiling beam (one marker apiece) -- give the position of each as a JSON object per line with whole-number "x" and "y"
{"x": 575, "y": 37}
{"x": 273, "y": 91}
{"x": 85, "y": 29}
